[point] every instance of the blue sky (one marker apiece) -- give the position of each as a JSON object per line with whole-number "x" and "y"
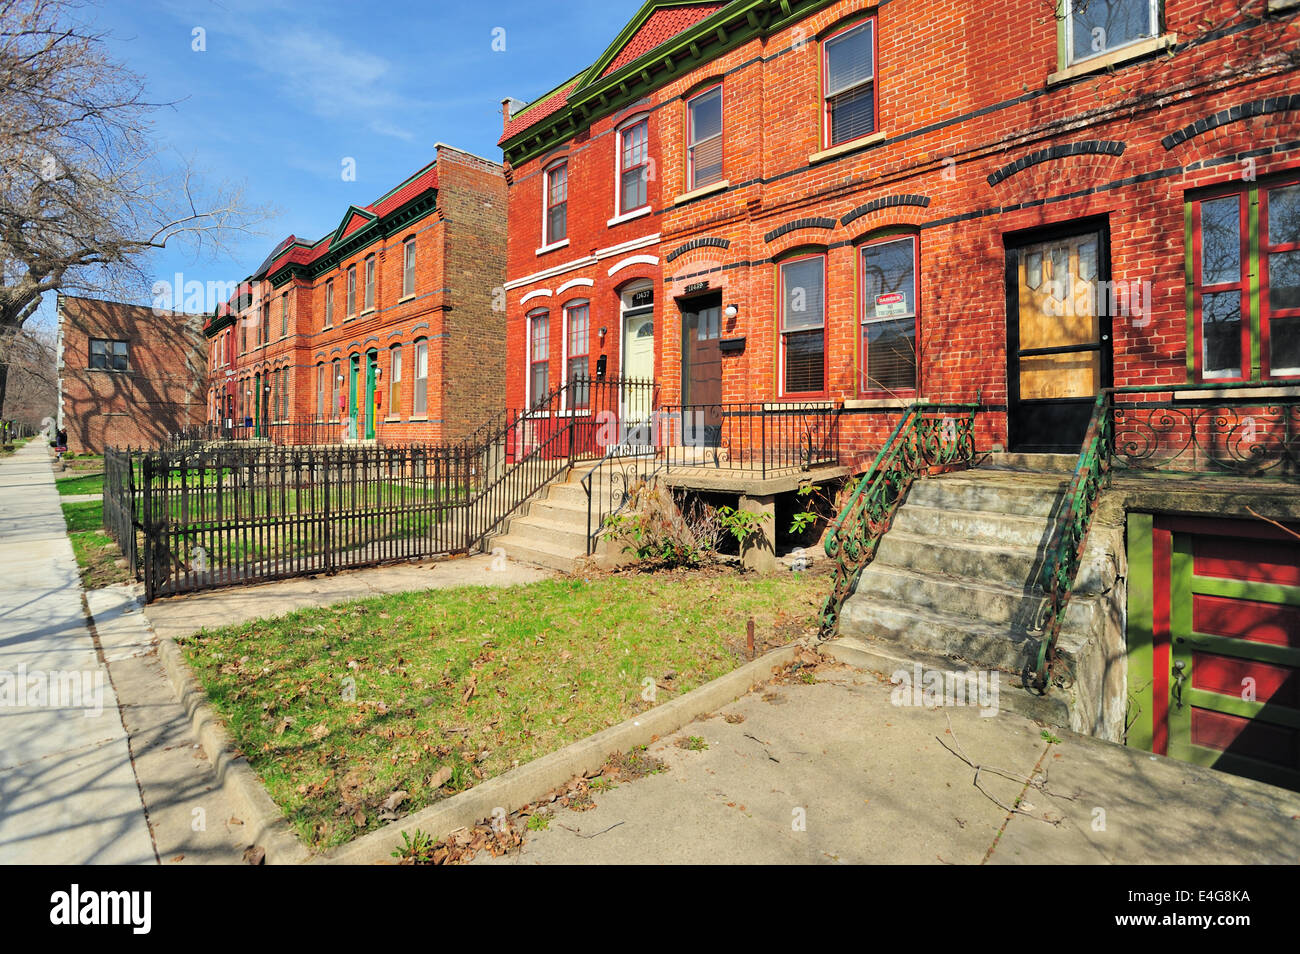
{"x": 285, "y": 91}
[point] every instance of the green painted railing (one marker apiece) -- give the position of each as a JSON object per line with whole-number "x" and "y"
{"x": 930, "y": 438}
{"x": 1070, "y": 533}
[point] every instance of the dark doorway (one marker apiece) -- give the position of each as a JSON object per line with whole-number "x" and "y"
{"x": 702, "y": 370}
{"x": 1058, "y": 337}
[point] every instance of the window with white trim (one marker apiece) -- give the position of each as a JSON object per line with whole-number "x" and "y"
{"x": 557, "y": 204}
{"x": 352, "y": 290}
{"x": 577, "y": 348}
{"x": 634, "y": 166}
{"x": 849, "y": 77}
{"x": 1096, "y": 27}
{"x": 803, "y": 325}
{"x": 408, "y": 268}
{"x": 420, "y": 395}
{"x": 329, "y": 303}
{"x": 539, "y": 354}
{"x": 336, "y": 382}
{"x": 284, "y": 315}
{"x": 320, "y": 391}
{"x": 370, "y": 282}
{"x": 704, "y": 138}
{"x": 395, "y": 381}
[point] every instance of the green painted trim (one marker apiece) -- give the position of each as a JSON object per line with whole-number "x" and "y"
{"x": 1140, "y": 636}
{"x": 1235, "y": 705}
{"x": 1246, "y": 590}
{"x": 1246, "y": 649}
{"x": 1241, "y": 765}
{"x": 1180, "y": 627}
{"x": 1189, "y": 273}
{"x": 1181, "y": 582}
{"x": 1252, "y": 224}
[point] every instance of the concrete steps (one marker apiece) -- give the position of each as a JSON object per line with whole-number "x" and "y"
{"x": 956, "y": 582}
{"x": 551, "y": 531}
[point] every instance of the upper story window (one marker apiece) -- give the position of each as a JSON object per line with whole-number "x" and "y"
{"x": 352, "y": 290}
{"x": 264, "y": 332}
{"x": 284, "y": 315}
{"x": 803, "y": 325}
{"x": 557, "y": 204}
{"x": 1231, "y": 345}
{"x": 888, "y": 348}
{"x": 108, "y": 355}
{"x": 704, "y": 139}
{"x": 370, "y": 282}
{"x": 329, "y": 303}
{"x": 633, "y": 167}
{"x": 850, "y": 83}
{"x": 408, "y": 268}
{"x": 1094, "y": 27}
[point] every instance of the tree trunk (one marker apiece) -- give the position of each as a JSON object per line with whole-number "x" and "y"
{"x": 4, "y": 380}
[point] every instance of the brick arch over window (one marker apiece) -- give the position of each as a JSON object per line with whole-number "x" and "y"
{"x": 1098, "y": 147}
{"x": 1234, "y": 114}
{"x": 885, "y": 202}
{"x": 705, "y": 242}
{"x": 817, "y": 222}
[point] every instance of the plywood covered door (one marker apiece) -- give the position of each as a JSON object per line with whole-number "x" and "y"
{"x": 1058, "y": 339}
{"x": 1214, "y": 644}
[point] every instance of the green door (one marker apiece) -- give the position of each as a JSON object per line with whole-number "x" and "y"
{"x": 372, "y": 362}
{"x": 1214, "y": 644}
{"x": 353, "y": 367}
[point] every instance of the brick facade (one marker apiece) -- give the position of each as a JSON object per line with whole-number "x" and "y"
{"x": 984, "y": 137}
{"x": 156, "y": 389}
{"x": 453, "y": 211}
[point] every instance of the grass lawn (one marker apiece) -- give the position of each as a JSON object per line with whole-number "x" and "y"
{"x": 98, "y": 557}
{"x": 339, "y": 708}
{"x": 89, "y": 484}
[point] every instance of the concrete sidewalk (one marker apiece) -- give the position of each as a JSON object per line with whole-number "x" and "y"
{"x": 68, "y": 791}
{"x": 835, "y": 773}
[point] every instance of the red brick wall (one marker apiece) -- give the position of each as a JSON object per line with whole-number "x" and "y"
{"x": 160, "y": 393}
{"x": 962, "y": 91}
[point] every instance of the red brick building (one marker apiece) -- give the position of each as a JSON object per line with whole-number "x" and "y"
{"x": 871, "y": 204}
{"x": 129, "y": 375}
{"x": 391, "y": 327}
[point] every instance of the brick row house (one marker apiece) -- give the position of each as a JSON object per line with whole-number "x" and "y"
{"x": 389, "y": 328}
{"x": 775, "y": 207}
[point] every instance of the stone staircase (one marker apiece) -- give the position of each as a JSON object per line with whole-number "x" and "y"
{"x": 956, "y": 585}
{"x": 552, "y": 531}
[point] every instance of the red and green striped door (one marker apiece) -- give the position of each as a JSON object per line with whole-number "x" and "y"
{"x": 1214, "y": 644}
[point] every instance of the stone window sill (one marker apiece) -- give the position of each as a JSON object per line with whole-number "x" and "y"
{"x": 628, "y": 216}
{"x": 1097, "y": 64}
{"x": 859, "y": 404}
{"x": 702, "y": 191}
{"x": 553, "y": 247}
{"x": 844, "y": 148}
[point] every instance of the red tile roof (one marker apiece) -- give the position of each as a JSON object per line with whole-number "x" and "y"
{"x": 537, "y": 111}
{"x": 660, "y": 27}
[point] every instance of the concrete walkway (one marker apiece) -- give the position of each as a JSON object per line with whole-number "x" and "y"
{"x": 68, "y": 791}
{"x": 834, "y": 772}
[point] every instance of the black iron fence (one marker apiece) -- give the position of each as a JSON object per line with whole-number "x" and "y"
{"x": 121, "y": 514}
{"x": 759, "y": 438}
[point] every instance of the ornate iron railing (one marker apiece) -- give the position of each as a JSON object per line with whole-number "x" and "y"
{"x": 1070, "y": 532}
{"x": 609, "y": 485}
{"x": 930, "y": 438}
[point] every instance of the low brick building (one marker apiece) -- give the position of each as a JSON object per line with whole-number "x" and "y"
{"x": 129, "y": 375}
{"x": 391, "y": 327}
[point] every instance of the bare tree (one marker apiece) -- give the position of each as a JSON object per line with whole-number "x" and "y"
{"x": 29, "y": 355}
{"x": 84, "y": 195}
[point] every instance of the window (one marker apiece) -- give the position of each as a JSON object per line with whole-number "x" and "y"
{"x": 284, "y": 315}
{"x": 395, "y": 381}
{"x": 420, "y": 397}
{"x": 336, "y": 382}
{"x": 329, "y": 303}
{"x": 408, "y": 268}
{"x": 320, "y": 392}
{"x": 850, "y": 84}
{"x": 577, "y": 320}
{"x": 633, "y": 166}
{"x": 539, "y": 353}
{"x": 264, "y": 332}
{"x": 352, "y": 290}
{"x": 557, "y": 204}
{"x": 1094, "y": 27}
{"x": 1230, "y": 344}
{"x": 704, "y": 139}
{"x": 370, "y": 283}
{"x": 803, "y": 342}
{"x": 243, "y": 336}
{"x": 108, "y": 355}
{"x": 284, "y": 394}
{"x": 888, "y": 355}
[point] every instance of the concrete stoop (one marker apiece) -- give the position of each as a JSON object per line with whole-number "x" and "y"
{"x": 956, "y": 585}
{"x": 551, "y": 531}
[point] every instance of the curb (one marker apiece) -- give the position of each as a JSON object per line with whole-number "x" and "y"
{"x": 527, "y": 783}
{"x": 265, "y": 823}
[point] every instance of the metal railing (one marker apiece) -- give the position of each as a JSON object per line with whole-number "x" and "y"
{"x": 929, "y": 439}
{"x": 609, "y": 485}
{"x": 760, "y": 438}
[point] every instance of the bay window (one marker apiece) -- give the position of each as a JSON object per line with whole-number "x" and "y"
{"x": 888, "y": 353}
{"x": 803, "y": 325}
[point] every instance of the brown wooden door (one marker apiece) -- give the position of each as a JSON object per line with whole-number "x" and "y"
{"x": 1059, "y": 340}
{"x": 702, "y": 371}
